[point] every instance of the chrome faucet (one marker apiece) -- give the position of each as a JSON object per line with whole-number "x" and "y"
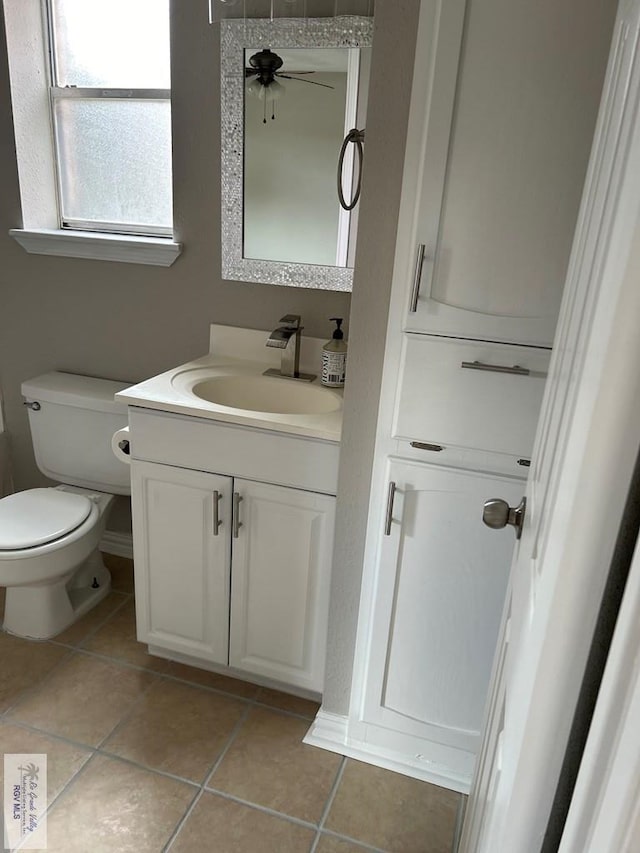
{"x": 287, "y": 338}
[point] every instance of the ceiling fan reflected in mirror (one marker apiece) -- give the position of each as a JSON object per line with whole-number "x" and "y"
{"x": 261, "y": 77}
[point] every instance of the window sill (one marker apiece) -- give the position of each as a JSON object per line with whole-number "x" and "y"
{"x": 157, "y": 251}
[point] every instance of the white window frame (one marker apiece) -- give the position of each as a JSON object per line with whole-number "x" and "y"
{"x": 27, "y": 30}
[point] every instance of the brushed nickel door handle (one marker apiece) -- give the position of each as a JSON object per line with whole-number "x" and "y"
{"x": 389, "y": 515}
{"x": 217, "y": 523}
{"x": 237, "y": 524}
{"x": 417, "y": 278}
{"x": 498, "y": 514}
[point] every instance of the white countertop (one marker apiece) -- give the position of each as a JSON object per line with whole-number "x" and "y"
{"x": 169, "y": 391}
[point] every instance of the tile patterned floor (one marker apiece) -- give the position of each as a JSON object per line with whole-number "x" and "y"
{"x": 148, "y": 756}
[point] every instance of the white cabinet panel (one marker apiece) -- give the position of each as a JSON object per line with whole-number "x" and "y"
{"x": 280, "y": 583}
{"x": 442, "y": 578}
{"x": 442, "y": 401}
{"x": 498, "y": 229}
{"x": 181, "y": 566}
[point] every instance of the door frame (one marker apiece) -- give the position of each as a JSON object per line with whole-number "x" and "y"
{"x": 595, "y": 461}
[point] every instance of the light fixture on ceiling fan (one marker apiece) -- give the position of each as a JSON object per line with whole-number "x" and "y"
{"x": 264, "y": 68}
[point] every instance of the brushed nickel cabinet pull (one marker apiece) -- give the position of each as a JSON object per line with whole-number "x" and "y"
{"x": 496, "y": 368}
{"x": 424, "y": 445}
{"x": 237, "y": 524}
{"x": 417, "y": 277}
{"x": 389, "y": 517}
{"x": 217, "y": 497}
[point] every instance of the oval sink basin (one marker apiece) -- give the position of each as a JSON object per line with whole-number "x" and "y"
{"x": 267, "y": 394}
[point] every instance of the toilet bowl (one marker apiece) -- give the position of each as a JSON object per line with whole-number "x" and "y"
{"x": 49, "y": 537}
{"x": 51, "y": 583}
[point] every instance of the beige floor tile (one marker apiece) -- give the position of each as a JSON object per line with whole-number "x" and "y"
{"x": 331, "y": 844}
{"x": 117, "y": 639}
{"x": 268, "y": 764}
{"x": 177, "y": 728}
{"x": 213, "y": 679}
{"x": 24, "y": 664}
{"x": 221, "y": 825}
{"x": 113, "y": 807}
{"x": 392, "y": 811}
{"x": 84, "y": 699}
{"x": 63, "y": 759}
{"x": 121, "y": 571}
{"x": 77, "y": 632}
{"x": 287, "y": 702}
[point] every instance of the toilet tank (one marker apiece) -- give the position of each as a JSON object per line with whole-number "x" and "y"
{"x": 72, "y": 427}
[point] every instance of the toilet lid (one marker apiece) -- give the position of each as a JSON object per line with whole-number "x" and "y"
{"x": 38, "y": 516}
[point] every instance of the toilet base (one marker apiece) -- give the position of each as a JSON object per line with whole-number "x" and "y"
{"x": 41, "y": 612}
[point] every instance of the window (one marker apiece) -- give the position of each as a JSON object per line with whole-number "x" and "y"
{"x": 104, "y": 168}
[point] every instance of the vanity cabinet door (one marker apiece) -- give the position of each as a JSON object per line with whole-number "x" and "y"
{"x": 281, "y": 570}
{"x": 442, "y": 577}
{"x": 182, "y": 559}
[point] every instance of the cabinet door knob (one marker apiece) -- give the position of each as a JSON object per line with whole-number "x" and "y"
{"x": 217, "y": 497}
{"x": 498, "y": 514}
{"x": 237, "y": 524}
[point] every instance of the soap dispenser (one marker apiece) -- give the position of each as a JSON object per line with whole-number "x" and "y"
{"x": 334, "y": 358}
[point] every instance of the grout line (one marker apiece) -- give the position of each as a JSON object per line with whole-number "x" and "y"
{"x": 133, "y": 763}
{"x": 30, "y": 691}
{"x": 351, "y": 840}
{"x": 181, "y": 822}
{"x": 260, "y": 704}
{"x": 90, "y": 633}
{"x": 127, "y": 715}
{"x": 207, "y": 777}
{"x": 333, "y": 792}
{"x": 329, "y": 802}
{"x": 227, "y": 746}
{"x": 59, "y": 796}
{"x": 265, "y": 809}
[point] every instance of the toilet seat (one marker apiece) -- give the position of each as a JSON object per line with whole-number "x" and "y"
{"x": 39, "y": 516}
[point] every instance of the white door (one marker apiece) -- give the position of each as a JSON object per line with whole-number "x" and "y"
{"x": 281, "y": 570}
{"x": 585, "y": 449}
{"x": 182, "y": 550}
{"x": 437, "y": 617}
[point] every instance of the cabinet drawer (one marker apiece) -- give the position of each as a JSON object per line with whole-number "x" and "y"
{"x": 206, "y": 445}
{"x": 444, "y": 402}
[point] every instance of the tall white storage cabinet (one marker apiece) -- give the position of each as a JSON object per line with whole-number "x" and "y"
{"x": 503, "y": 108}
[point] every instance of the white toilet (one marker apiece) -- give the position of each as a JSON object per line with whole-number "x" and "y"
{"x": 49, "y": 558}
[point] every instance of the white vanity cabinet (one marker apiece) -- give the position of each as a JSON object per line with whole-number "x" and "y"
{"x": 441, "y": 582}
{"x": 232, "y": 571}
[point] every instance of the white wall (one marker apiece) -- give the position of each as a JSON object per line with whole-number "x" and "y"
{"x": 291, "y": 201}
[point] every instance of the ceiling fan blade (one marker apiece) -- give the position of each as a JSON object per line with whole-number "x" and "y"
{"x": 312, "y": 82}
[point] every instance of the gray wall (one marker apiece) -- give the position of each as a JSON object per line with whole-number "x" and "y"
{"x": 127, "y": 321}
{"x": 390, "y": 90}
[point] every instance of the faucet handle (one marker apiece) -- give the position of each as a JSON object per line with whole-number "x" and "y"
{"x": 294, "y": 320}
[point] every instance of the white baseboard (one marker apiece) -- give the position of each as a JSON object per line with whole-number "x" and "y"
{"x": 116, "y": 543}
{"x": 331, "y": 731}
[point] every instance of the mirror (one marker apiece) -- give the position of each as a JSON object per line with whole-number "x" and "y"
{"x": 290, "y": 92}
